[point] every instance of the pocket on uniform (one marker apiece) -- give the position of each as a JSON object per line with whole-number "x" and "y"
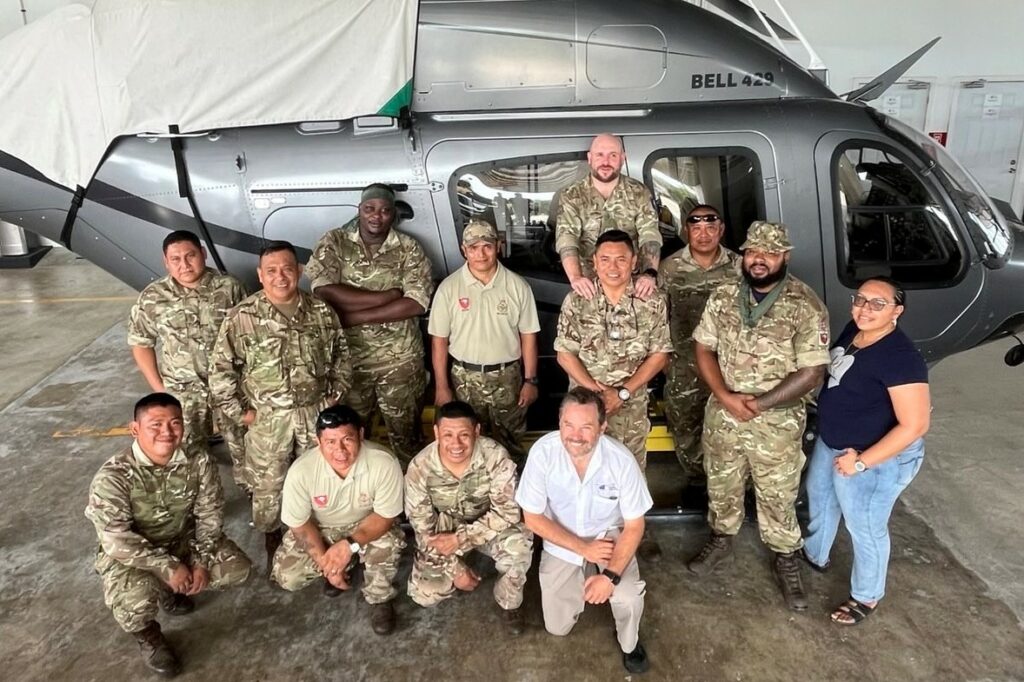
{"x": 263, "y": 359}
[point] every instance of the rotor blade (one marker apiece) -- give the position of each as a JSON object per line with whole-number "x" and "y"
{"x": 747, "y": 15}
{"x": 881, "y": 83}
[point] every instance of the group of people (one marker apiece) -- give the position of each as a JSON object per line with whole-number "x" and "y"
{"x": 292, "y": 378}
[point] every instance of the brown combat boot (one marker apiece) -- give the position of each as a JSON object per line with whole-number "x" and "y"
{"x": 786, "y": 568}
{"x": 513, "y": 620}
{"x": 717, "y": 550}
{"x": 271, "y": 541}
{"x": 176, "y": 604}
{"x": 156, "y": 651}
{"x": 382, "y": 618}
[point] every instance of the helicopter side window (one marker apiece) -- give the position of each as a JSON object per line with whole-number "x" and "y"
{"x": 891, "y": 222}
{"x": 728, "y": 179}
{"x": 520, "y": 197}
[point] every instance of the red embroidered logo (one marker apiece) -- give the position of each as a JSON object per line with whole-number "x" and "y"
{"x": 464, "y": 303}
{"x": 320, "y": 500}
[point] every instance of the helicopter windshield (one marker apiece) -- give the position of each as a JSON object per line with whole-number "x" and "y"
{"x": 986, "y": 224}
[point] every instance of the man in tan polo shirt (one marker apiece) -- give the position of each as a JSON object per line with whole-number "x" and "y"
{"x": 340, "y": 502}
{"x": 485, "y": 317}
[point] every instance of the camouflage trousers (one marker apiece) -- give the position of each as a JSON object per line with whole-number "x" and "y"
{"x": 199, "y": 415}
{"x": 630, "y": 426}
{"x": 685, "y": 399}
{"x": 495, "y": 397}
{"x": 397, "y": 392}
{"x": 133, "y": 595}
{"x": 293, "y": 569}
{"x": 433, "y": 575}
{"x": 273, "y": 441}
{"x": 767, "y": 448}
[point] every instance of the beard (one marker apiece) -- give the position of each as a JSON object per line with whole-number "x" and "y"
{"x": 596, "y": 174}
{"x": 767, "y": 280}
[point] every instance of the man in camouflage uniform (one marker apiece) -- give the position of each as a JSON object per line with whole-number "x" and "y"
{"x": 183, "y": 313}
{"x": 485, "y": 317}
{"x": 762, "y": 347}
{"x": 688, "y": 277}
{"x": 614, "y": 343}
{"x": 280, "y": 357}
{"x": 341, "y": 499}
{"x": 158, "y": 512}
{"x": 606, "y": 200}
{"x": 460, "y": 497}
{"x": 378, "y": 280}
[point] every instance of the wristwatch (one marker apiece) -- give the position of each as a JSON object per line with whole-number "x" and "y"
{"x": 651, "y": 272}
{"x": 612, "y": 575}
{"x": 353, "y": 545}
{"x": 859, "y": 466}
{"x": 531, "y": 380}
{"x": 624, "y": 394}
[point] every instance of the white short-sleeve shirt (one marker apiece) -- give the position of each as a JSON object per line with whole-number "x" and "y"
{"x": 612, "y": 490}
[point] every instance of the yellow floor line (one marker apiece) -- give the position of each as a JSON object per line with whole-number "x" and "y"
{"x": 90, "y": 299}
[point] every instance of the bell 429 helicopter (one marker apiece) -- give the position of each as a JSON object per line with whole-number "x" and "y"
{"x": 504, "y": 100}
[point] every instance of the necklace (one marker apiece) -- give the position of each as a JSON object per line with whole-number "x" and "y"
{"x": 855, "y": 347}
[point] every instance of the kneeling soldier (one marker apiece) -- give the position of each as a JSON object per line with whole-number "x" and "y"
{"x": 340, "y": 502}
{"x": 158, "y": 512}
{"x": 460, "y": 497}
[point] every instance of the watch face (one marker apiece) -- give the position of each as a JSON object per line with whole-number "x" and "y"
{"x": 859, "y": 466}
{"x": 624, "y": 394}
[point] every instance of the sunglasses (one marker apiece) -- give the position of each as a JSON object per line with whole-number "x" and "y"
{"x": 328, "y": 420}
{"x": 875, "y": 304}
{"x": 710, "y": 218}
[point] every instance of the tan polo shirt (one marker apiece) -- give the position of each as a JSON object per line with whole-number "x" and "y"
{"x": 313, "y": 489}
{"x": 482, "y": 322}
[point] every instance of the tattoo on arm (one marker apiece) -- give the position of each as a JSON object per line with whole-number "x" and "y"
{"x": 793, "y": 387}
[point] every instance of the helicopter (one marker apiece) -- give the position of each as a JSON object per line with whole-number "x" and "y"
{"x": 505, "y": 99}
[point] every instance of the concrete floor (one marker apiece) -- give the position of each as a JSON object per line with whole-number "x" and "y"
{"x": 954, "y": 610}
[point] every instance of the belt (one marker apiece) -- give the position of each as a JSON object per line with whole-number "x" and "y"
{"x": 484, "y": 368}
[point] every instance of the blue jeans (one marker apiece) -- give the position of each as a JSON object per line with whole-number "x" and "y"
{"x": 864, "y": 501}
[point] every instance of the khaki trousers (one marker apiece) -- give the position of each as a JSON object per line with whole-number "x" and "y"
{"x": 561, "y": 595}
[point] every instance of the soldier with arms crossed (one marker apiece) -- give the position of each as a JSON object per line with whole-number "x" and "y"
{"x": 158, "y": 510}
{"x": 182, "y": 313}
{"x": 378, "y": 280}
{"x": 341, "y": 499}
{"x": 459, "y": 497}
{"x": 762, "y": 348}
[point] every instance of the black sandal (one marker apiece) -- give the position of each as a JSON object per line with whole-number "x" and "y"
{"x": 856, "y": 610}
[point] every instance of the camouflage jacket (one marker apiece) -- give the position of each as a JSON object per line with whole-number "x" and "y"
{"x": 263, "y": 359}
{"x": 793, "y": 334}
{"x": 400, "y": 263}
{"x": 148, "y": 517}
{"x": 612, "y": 341}
{"x": 476, "y": 507}
{"x": 583, "y": 215}
{"x": 688, "y": 286}
{"x": 185, "y": 322}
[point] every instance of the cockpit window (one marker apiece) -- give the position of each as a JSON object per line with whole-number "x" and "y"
{"x": 988, "y": 228}
{"x": 891, "y": 223}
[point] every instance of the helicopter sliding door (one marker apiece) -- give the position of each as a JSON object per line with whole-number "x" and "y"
{"x": 882, "y": 213}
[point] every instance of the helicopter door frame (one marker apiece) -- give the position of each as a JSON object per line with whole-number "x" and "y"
{"x": 934, "y": 307}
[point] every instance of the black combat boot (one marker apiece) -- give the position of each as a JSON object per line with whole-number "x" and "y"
{"x": 271, "y": 541}
{"x": 382, "y": 618}
{"x": 649, "y": 549}
{"x": 156, "y": 651}
{"x": 786, "y": 568}
{"x": 717, "y": 550}
{"x": 176, "y": 604}
{"x": 513, "y": 620}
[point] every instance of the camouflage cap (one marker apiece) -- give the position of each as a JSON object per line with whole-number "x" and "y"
{"x": 765, "y": 236}
{"x": 479, "y": 230}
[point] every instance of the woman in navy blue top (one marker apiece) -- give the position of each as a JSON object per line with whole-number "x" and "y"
{"x": 873, "y": 413}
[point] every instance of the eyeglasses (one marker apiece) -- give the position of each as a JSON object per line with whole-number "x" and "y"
{"x": 709, "y": 218}
{"x": 875, "y": 304}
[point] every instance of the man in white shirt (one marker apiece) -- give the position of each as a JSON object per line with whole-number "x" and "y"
{"x": 583, "y": 492}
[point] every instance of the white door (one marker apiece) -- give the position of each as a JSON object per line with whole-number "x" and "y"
{"x": 904, "y": 100}
{"x": 985, "y": 132}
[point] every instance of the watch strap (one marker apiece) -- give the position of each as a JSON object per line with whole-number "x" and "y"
{"x": 612, "y": 575}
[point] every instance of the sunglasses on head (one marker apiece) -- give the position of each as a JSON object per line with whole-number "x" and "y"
{"x": 328, "y": 420}
{"x": 875, "y": 304}
{"x": 709, "y": 218}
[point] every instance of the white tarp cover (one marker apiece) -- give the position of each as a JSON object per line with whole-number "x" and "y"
{"x": 87, "y": 73}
